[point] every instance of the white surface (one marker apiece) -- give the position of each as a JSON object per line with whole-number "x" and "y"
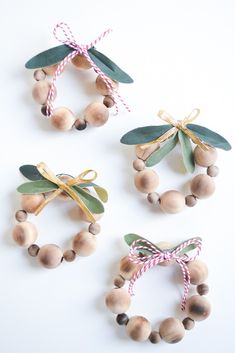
{"x": 181, "y": 55}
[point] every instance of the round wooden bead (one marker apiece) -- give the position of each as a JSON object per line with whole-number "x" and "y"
{"x": 153, "y": 198}
{"x": 146, "y": 181}
{"x": 39, "y": 75}
{"x": 205, "y": 158}
{"x": 31, "y": 202}
{"x": 21, "y": 215}
{"x": 154, "y": 337}
{"x": 33, "y": 250}
{"x": 50, "y": 70}
{"x": 44, "y": 110}
{"x": 144, "y": 153}
{"x": 94, "y": 228}
{"x": 96, "y": 114}
{"x": 172, "y": 201}
{"x": 119, "y": 281}
{"x": 50, "y": 256}
{"x": 213, "y": 171}
{"x": 118, "y": 300}
{"x": 164, "y": 245}
{"x": 190, "y": 200}
{"x": 69, "y": 255}
{"x": 197, "y": 308}
{"x": 202, "y": 186}
{"x": 24, "y": 234}
{"x": 188, "y": 323}
{"x": 62, "y": 119}
{"x": 80, "y": 124}
{"x": 102, "y": 87}
{"x": 127, "y": 268}
{"x": 122, "y": 319}
{"x": 81, "y": 62}
{"x": 198, "y": 271}
{"x": 40, "y": 91}
{"x": 203, "y": 289}
{"x": 108, "y": 101}
{"x": 171, "y": 330}
{"x": 138, "y": 165}
{"x": 84, "y": 243}
{"x": 138, "y": 328}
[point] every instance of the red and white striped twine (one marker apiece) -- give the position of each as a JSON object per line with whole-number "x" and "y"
{"x": 159, "y": 256}
{"x": 68, "y": 39}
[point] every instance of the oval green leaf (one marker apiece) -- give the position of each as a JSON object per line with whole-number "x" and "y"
{"x": 144, "y": 134}
{"x": 130, "y": 238}
{"x": 94, "y": 205}
{"x": 159, "y": 154}
{"x": 101, "y": 192}
{"x": 187, "y": 152}
{"x": 31, "y": 172}
{"x": 37, "y": 187}
{"x": 210, "y": 137}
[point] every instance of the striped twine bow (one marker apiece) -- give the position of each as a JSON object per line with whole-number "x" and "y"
{"x": 69, "y": 39}
{"x": 157, "y": 256}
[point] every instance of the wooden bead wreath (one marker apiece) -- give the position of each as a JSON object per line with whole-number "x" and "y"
{"x": 153, "y": 143}
{"x": 43, "y": 187}
{"x": 144, "y": 255}
{"x": 52, "y": 63}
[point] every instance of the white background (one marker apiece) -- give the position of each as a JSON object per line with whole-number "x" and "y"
{"x": 181, "y": 56}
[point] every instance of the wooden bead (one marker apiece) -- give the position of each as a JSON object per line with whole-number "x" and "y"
{"x": 118, "y": 300}
{"x": 146, "y": 181}
{"x": 188, "y": 323}
{"x": 153, "y": 198}
{"x": 190, "y": 200}
{"x": 62, "y": 119}
{"x": 84, "y": 217}
{"x": 138, "y": 165}
{"x": 171, "y": 330}
{"x": 50, "y": 70}
{"x": 84, "y": 243}
{"x": 198, "y": 271}
{"x": 155, "y": 337}
{"x": 102, "y": 87}
{"x": 50, "y": 256}
{"x": 172, "y": 201}
{"x": 81, "y": 62}
{"x": 96, "y": 114}
{"x": 197, "y": 308}
{"x": 127, "y": 268}
{"x": 39, "y": 75}
{"x": 202, "y": 186}
{"x": 44, "y": 110}
{"x": 205, "y": 158}
{"x": 164, "y": 245}
{"x": 80, "y": 124}
{"x": 119, "y": 281}
{"x": 94, "y": 228}
{"x": 24, "y": 234}
{"x": 40, "y": 91}
{"x": 31, "y": 202}
{"x": 108, "y": 101}
{"x": 144, "y": 153}
{"x": 138, "y": 328}
{"x": 203, "y": 289}
{"x": 69, "y": 255}
{"x": 21, "y": 215}
{"x": 213, "y": 171}
{"x": 33, "y": 250}
{"x": 122, "y": 319}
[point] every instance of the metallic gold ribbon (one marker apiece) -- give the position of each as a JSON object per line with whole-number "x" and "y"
{"x": 66, "y": 187}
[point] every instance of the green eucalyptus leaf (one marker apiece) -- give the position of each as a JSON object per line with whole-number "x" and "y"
{"x": 187, "y": 152}
{"x": 160, "y": 153}
{"x": 187, "y": 249}
{"x": 31, "y": 172}
{"x": 144, "y": 134}
{"x": 130, "y": 238}
{"x": 94, "y": 205}
{"x": 101, "y": 192}
{"x": 37, "y": 187}
{"x": 210, "y": 137}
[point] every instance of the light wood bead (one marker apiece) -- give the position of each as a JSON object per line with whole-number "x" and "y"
{"x": 197, "y": 308}
{"x": 202, "y": 186}
{"x": 40, "y": 91}
{"x": 188, "y": 323}
{"x": 21, "y": 215}
{"x": 119, "y": 281}
{"x": 171, "y": 330}
{"x": 80, "y": 124}
{"x": 24, "y": 234}
{"x": 203, "y": 289}
{"x": 213, "y": 171}
{"x": 30, "y": 203}
{"x": 96, "y": 114}
{"x": 39, "y": 75}
{"x": 118, "y": 300}
{"x": 205, "y": 158}
{"x": 146, "y": 181}
{"x": 138, "y": 165}
{"x": 84, "y": 217}
{"x": 108, "y": 101}
{"x": 127, "y": 268}
{"x": 33, "y": 250}
{"x": 50, "y": 70}
{"x": 155, "y": 337}
{"x": 172, "y": 201}
{"x": 84, "y": 243}
{"x": 69, "y": 255}
{"x": 144, "y": 153}
{"x": 50, "y": 256}
{"x": 62, "y": 119}
{"x": 81, "y": 62}
{"x": 198, "y": 271}
{"x": 164, "y": 245}
{"x": 102, "y": 88}
{"x": 153, "y": 198}
{"x": 94, "y": 228}
{"x": 190, "y": 200}
{"x": 138, "y": 328}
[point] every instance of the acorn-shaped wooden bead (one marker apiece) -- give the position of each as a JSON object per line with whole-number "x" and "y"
{"x": 50, "y": 256}
{"x": 81, "y": 62}
{"x": 172, "y": 201}
{"x": 40, "y": 91}
{"x": 197, "y": 308}
{"x": 118, "y": 300}
{"x": 146, "y": 181}
{"x": 127, "y": 268}
{"x": 50, "y": 70}
{"x": 202, "y": 186}
{"x": 205, "y": 158}
{"x": 171, "y": 330}
{"x": 102, "y": 88}
{"x": 198, "y": 271}
{"x": 164, "y": 245}
{"x": 84, "y": 243}
{"x": 62, "y": 119}
{"x": 96, "y": 114}
{"x": 24, "y": 234}
{"x": 31, "y": 202}
{"x": 138, "y": 328}
{"x": 144, "y": 153}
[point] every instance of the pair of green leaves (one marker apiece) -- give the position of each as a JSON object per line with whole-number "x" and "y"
{"x": 39, "y": 184}
{"x": 55, "y": 55}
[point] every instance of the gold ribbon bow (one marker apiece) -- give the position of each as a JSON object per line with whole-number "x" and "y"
{"x": 176, "y": 126}
{"x": 66, "y": 187}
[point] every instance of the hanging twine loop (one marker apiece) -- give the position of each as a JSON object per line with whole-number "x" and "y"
{"x": 68, "y": 39}
{"x": 158, "y": 256}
